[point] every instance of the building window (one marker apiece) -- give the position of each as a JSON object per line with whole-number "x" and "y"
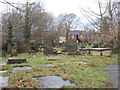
{"x": 92, "y": 37}
{"x": 81, "y": 36}
{"x": 72, "y": 36}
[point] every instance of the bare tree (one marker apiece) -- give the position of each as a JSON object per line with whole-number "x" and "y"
{"x": 21, "y": 19}
{"x": 118, "y": 15}
{"x": 69, "y": 22}
{"x": 104, "y": 22}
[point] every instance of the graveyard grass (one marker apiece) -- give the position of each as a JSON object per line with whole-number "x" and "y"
{"x": 90, "y": 75}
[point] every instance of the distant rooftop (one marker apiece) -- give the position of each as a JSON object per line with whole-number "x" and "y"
{"x": 76, "y": 32}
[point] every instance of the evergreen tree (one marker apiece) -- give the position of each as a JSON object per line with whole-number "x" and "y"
{"x": 27, "y": 26}
{"x": 9, "y": 44}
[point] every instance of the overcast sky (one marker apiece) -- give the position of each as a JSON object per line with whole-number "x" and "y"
{"x": 61, "y": 6}
{"x": 68, "y": 6}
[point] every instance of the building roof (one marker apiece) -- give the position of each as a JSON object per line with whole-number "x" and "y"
{"x": 75, "y": 32}
{"x": 87, "y": 33}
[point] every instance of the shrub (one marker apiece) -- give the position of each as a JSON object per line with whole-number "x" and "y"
{"x": 22, "y": 47}
{"x": 48, "y": 50}
{"x": 115, "y": 50}
{"x": 33, "y": 42}
{"x": 95, "y": 45}
{"x": 107, "y": 45}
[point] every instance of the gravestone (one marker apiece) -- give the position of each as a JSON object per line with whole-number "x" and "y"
{"x": 16, "y": 60}
{"x": 64, "y": 51}
{"x": 15, "y": 69}
{"x": 3, "y": 81}
{"x": 3, "y": 71}
{"x": 53, "y": 59}
{"x": 84, "y": 51}
{"x": 47, "y": 65}
{"x": 53, "y": 82}
{"x": 14, "y": 51}
{"x": 54, "y": 52}
{"x": 71, "y": 47}
{"x": 100, "y": 51}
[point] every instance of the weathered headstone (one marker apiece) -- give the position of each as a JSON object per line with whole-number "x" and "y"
{"x": 14, "y": 51}
{"x": 64, "y": 51}
{"x": 16, "y": 60}
{"x": 71, "y": 47}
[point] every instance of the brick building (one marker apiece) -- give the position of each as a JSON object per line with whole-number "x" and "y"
{"x": 80, "y": 36}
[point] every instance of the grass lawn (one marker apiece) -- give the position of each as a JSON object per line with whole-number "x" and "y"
{"x": 90, "y": 75}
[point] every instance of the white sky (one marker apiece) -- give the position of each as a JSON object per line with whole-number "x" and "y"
{"x": 61, "y": 6}
{"x": 68, "y": 6}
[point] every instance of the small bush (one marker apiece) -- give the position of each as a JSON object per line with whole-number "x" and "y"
{"x": 115, "y": 50}
{"x": 33, "y": 42}
{"x": 20, "y": 46}
{"x": 48, "y": 50}
{"x": 24, "y": 48}
{"x": 95, "y": 45}
{"x": 108, "y": 45}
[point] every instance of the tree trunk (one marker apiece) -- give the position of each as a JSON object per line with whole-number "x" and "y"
{"x": 119, "y": 29}
{"x": 9, "y": 46}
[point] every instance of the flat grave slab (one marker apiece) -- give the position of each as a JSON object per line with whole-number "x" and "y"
{"x": 96, "y": 51}
{"x": 82, "y": 62}
{"x": 3, "y": 71}
{"x": 16, "y": 60}
{"x": 52, "y": 59}
{"x": 62, "y": 63}
{"x": 47, "y": 65}
{"x": 4, "y": 81}
{"x": 3, "y": 63}
{"x": 53, "y": 82}
{"x": 15, "y": 69}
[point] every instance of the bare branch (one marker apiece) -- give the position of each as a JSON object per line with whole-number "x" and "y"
{"x": 11, "y": 4}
